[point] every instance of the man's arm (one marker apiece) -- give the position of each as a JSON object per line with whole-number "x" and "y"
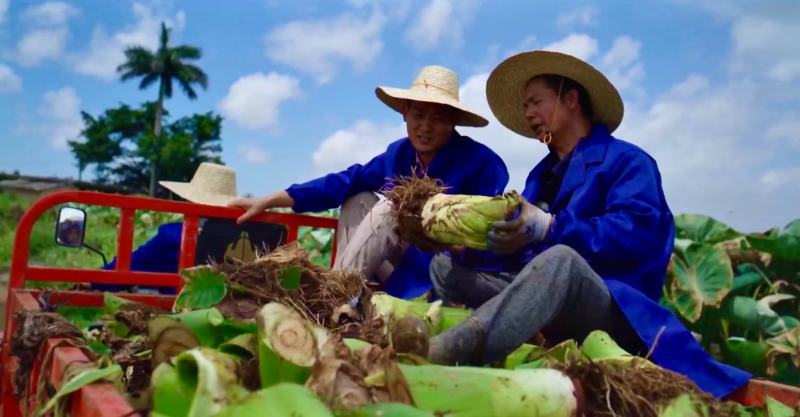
{"x": 319, "y": 194}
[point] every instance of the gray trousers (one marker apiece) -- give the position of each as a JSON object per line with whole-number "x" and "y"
{"x": 556, "y": 293}
{"x": 366, "y": 237}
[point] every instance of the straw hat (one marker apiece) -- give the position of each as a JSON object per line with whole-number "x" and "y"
{"x": 434, "y": 84}
{"x": 507, "y": 81}
{"x": 212, "y": 184}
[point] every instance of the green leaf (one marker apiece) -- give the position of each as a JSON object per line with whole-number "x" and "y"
{"x": 748, "y": 355}
{"x": 793, "y": 228}
{"x": 81, "y": 379}
{"x": 290, "y": 278}
{"x": 700, "y": 276}
{"x": 112, "y": 303}
{"x": 100, "y": 348}
{"x": 81, "y": 317}
{"x": 776, "y": 408}
{"x": 753, "y": 315}
{"x": 703, "y": 229}
{"x": 744, "y": 281}
{"x": 785, "y": 247}
{"x": 204, "y": 288}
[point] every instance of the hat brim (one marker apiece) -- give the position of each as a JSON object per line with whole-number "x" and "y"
{"x": 505, "y": 85}
{"x": 190, "y": 193}
{"x": 396, "y": 98}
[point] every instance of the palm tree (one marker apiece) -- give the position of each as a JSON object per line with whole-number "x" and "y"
{"x": 164, "y": 65}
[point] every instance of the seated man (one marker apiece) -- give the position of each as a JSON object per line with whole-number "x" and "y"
{"x": 365, "y": 236}
{"x": 590, "y": 247}
{"x": 218, "y": 239}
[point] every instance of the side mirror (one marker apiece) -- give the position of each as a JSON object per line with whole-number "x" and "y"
{"x": 71, "y": 227}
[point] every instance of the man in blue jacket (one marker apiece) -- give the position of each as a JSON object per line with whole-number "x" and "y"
{"x": 365, "y": 236}
{"x": 590, "y": 247}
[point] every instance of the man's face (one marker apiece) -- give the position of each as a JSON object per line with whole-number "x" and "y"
{"x": 539, "y": 104}
{"x": 429, "y": 125}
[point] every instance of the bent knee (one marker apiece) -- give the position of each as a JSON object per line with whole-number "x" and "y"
{"x": 557, "y": 254}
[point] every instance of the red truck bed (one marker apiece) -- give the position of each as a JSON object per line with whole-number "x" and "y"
{"x": 103, "y": 399}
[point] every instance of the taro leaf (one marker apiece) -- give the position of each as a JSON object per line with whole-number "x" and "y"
{"x": 701, "y": 275}
{"x": 748, "y": 355}
{"x": 81, "y": 317}
{"x": 785, "y": 247}
{"x": 753, "y": 315}
{"x": 100, "y": 348}
{"x": 81, "y": 379}
{"x": 703, "y": 229}
{"x": 290, "y": 278}
{"x": 793, "y": 228}
{"x": 204, "y": 288}
{"x": 787, "y": 343}
{"x": 776, "y": 408}
{"x": 112, "y": 303}
{"x": 744, "y": 281}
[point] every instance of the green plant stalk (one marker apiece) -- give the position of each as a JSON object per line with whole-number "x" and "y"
{"x": 281, "y": 400}
{"x": 438, "y": 318}
{"x": 489, "y": 392}
{"x": 210, "y": 377}
{"x": 386, "y": 410}
{"x": 287, "y": 345}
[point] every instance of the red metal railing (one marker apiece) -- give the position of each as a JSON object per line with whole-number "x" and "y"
{"x": 103, "y": 399}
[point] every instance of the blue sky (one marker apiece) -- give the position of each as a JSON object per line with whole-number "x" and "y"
{"x": 711, "y": 89}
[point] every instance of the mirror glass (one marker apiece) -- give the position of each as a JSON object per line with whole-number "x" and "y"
{"x": 71, "y": 227}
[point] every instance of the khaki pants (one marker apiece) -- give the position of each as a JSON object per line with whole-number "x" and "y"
{"x": 366, "y": 238}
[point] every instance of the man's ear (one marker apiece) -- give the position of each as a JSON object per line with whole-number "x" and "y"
{"x": 571, "y": 99}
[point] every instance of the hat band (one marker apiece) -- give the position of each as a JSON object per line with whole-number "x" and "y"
{"x": 427, "y": 85}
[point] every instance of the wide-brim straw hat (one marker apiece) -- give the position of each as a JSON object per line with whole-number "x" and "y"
{"x": 506, "y": 83}
{"x": 212, "y": 184}
{"x": 434, "y": 84}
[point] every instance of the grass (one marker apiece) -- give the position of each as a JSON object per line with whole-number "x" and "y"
{"x": 101, "y": 233}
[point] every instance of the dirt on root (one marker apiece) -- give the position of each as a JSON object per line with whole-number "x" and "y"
{"x": 408, "y": 196}
{"x": 636, "y": 390}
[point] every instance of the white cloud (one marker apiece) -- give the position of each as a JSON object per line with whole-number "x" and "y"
{"x": 51, "y": 13}
{"x": 253, "y": 153}
{"x": 357, "y": 144}
{"x": 577, "y": 44}
{"x": 775, "y": 179}
{"x": 41, "y": 44}
{"x": 320, "y": 47}
{"x": 766, "y": 47}
{"x": 441, "y": 21}
{"x": 712, "y": 155}
{"x": 622, "y": 66}
{"x": 60, "y": 117}
{"x": 3, "y": 10}
{"x": 106, "y": 51}
{"x": 9, "y": 81}
{"x": 584, "y": 16}
{"x": 253, "y": 101}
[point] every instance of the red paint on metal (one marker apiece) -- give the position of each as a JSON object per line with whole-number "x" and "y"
{"x": 755, "y": 393}
{"x": 102, "y": 399}
{"x": 125, "y": 239}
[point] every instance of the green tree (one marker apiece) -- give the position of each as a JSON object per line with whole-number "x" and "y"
{"x": 121, "y": 145}
{"x": 163, "y": 65}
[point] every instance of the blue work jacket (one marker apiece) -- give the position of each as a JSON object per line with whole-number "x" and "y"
{"x": 464, "y": 165}
{"x": 611, "y": 209}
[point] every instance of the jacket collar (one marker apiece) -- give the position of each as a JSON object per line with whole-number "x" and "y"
{"x": 590, "y": 150}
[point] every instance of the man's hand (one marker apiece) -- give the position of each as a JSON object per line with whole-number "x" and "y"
{"x": 255, "y": 206}
{"x": 531, "y": 226}
{"x": 252, "y": 206}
